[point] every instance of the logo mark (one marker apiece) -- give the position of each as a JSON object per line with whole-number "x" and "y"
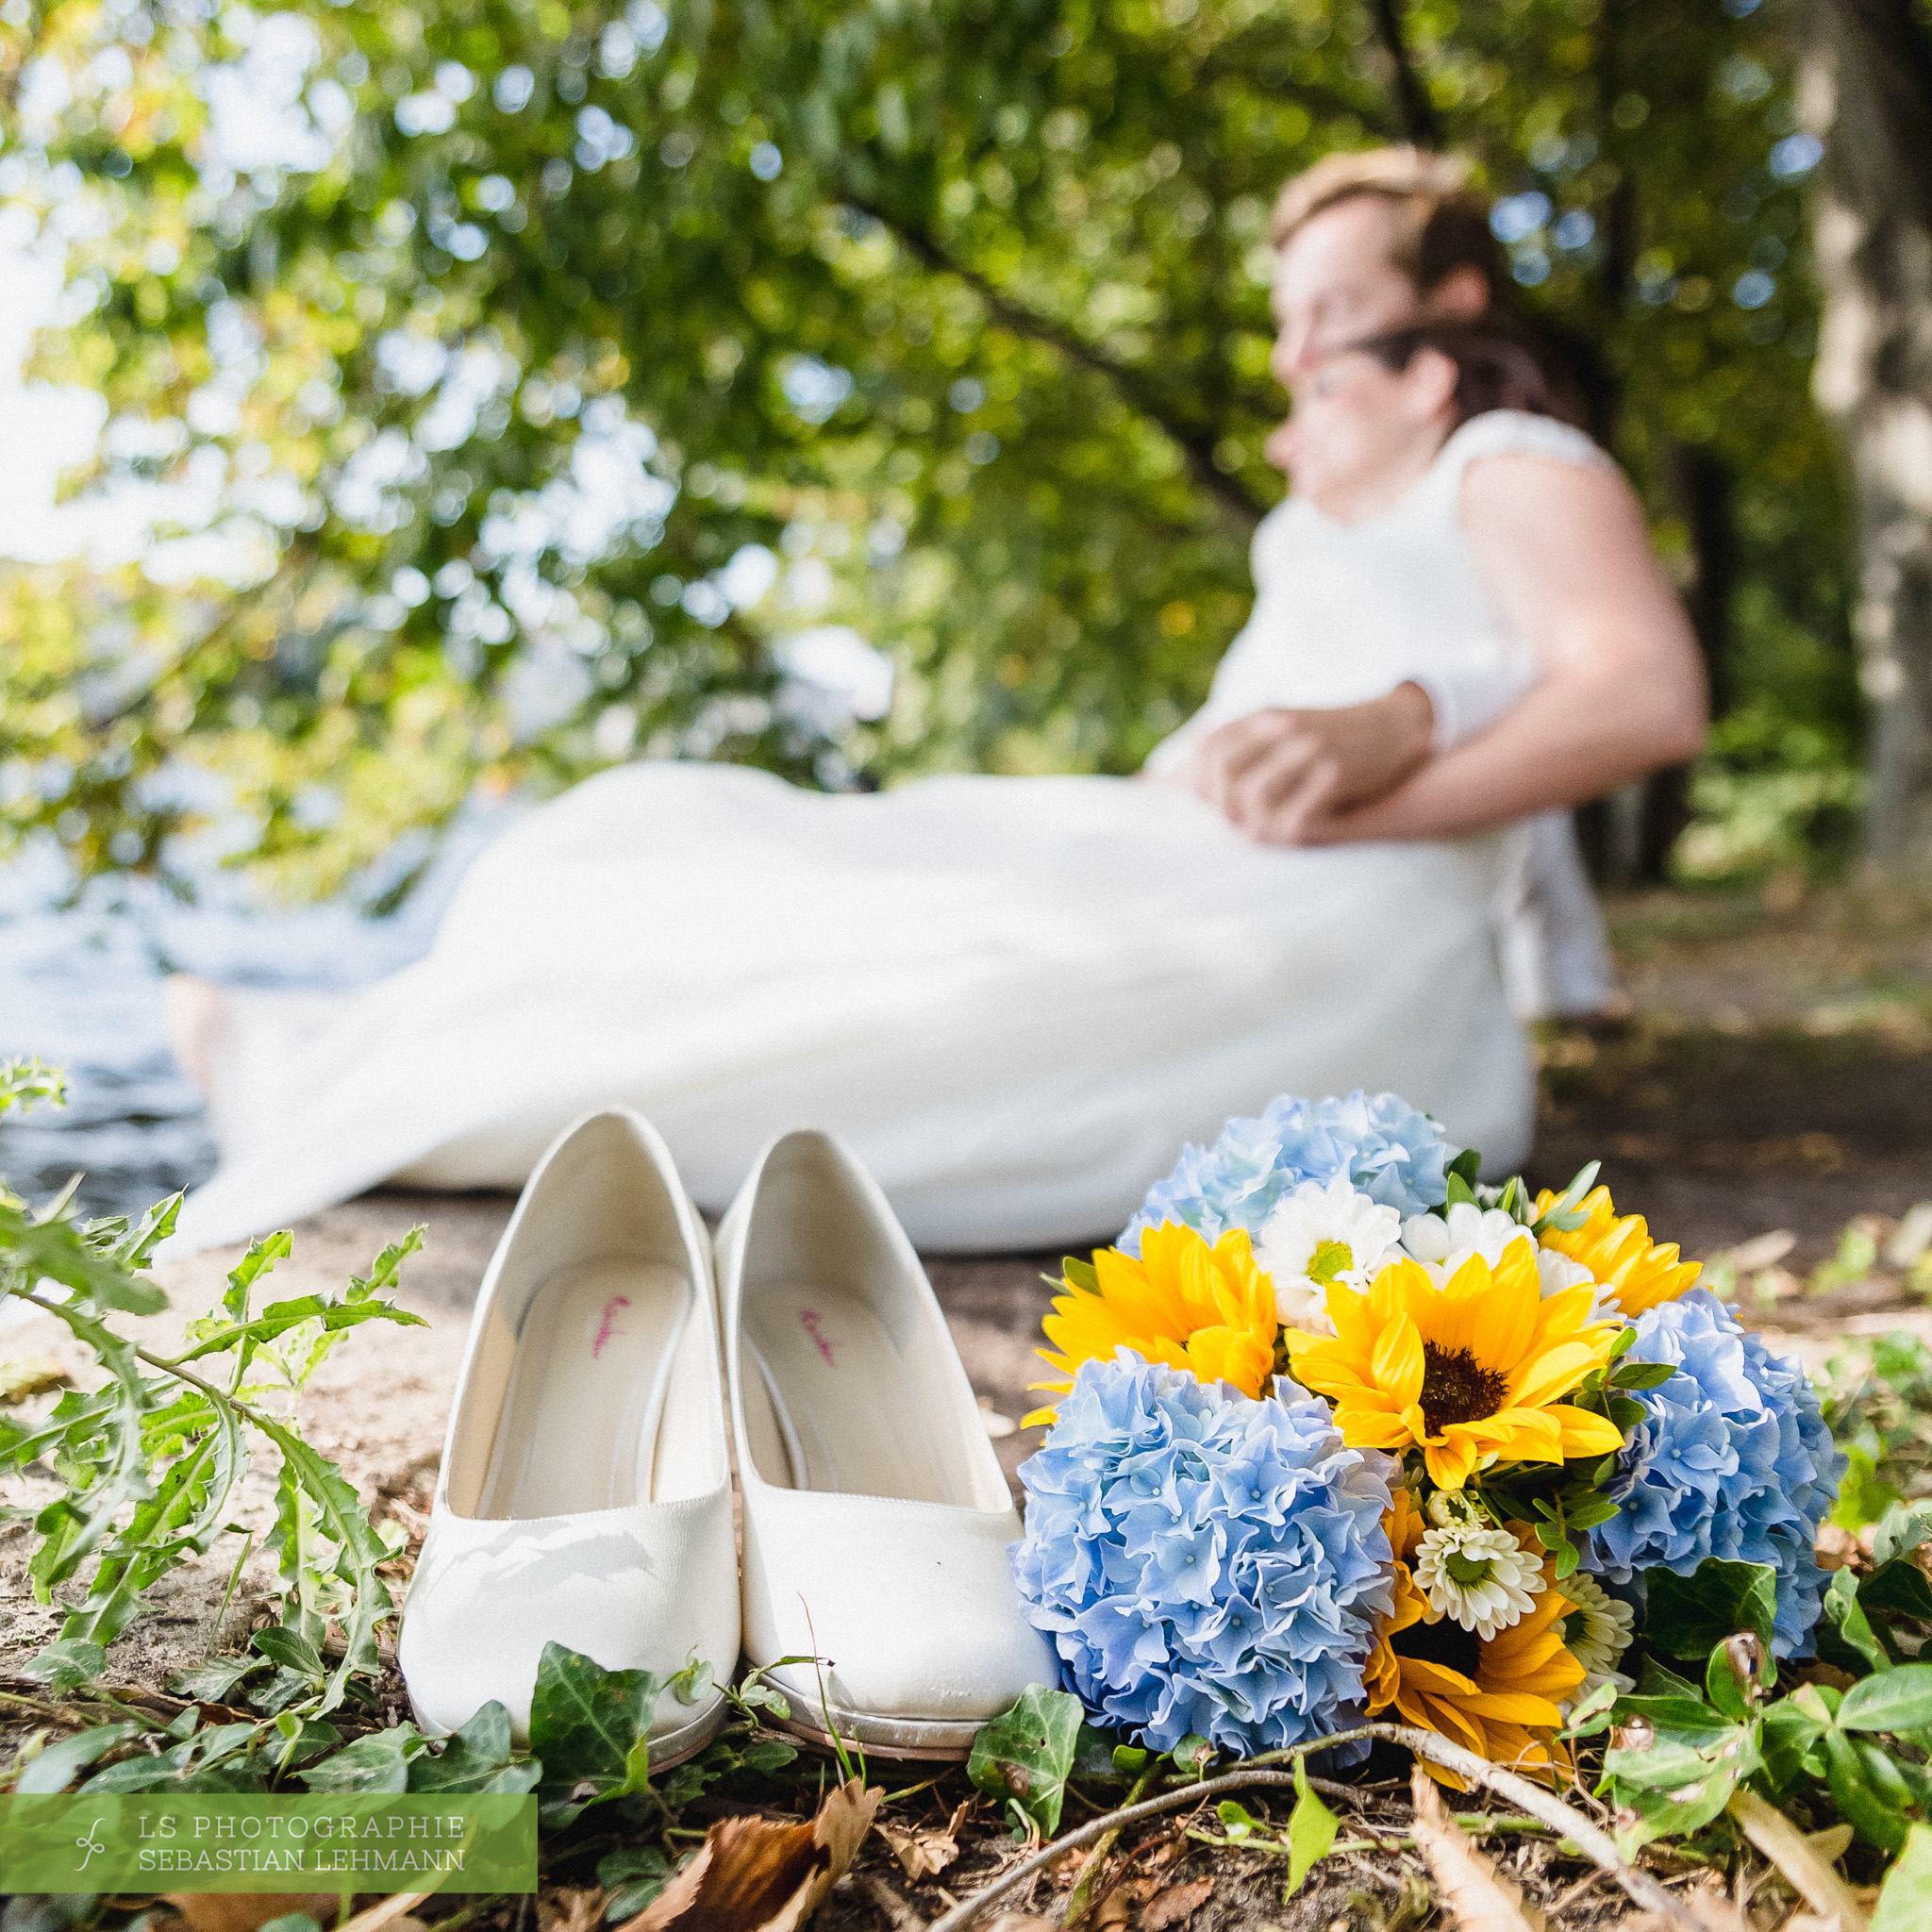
{"x": 89, "y": 1843}
{"x": 605, "y": 1331}
{"x": 808, "y": 1318}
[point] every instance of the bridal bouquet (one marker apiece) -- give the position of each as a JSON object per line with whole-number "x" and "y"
{"x": 1340, "y": 1431}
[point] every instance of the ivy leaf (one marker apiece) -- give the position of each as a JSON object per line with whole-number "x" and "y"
{"x": 1897, "y": 1589}
{"x": 214, "y": 1681}
{"x": 1024, "y": 1754}
{"x": 1688, "y": 1616}
{"x": 588, "y": 1726}
{"x": 1900, "y": 1531}
{"x": 471, "y": 1759}
{"x": 379, "y": 1762}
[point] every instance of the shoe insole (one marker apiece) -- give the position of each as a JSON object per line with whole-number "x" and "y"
{"x": 586, "y": 1388}
{"x": 845, "y": 1408}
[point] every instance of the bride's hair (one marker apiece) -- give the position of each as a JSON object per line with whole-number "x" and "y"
{"x": 1495, "y": 369}
{"x": 1443, "y": 225}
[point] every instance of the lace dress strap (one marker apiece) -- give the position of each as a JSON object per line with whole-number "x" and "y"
{"x": 1519, "y": 432}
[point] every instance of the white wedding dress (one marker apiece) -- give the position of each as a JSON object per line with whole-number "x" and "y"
{"x": 1014, "y": 997}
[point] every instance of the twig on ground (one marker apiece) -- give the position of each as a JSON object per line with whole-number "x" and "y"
{"x": 1082, "y": 1895}
{"x": 1591, "y": 1840}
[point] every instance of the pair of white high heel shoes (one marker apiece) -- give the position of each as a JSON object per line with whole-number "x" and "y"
{"x": 584, "y": 1495}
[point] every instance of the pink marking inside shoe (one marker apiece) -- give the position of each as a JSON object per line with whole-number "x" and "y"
{"x": 808, "y": 1318}
{"x": 605, "y": 1331}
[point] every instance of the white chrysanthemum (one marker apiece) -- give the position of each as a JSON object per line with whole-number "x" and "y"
{"x": 1478, "y": 1576}
{"x": 1596, "y": 1633}
{"x": 1442, "y": 1247}
{"x": 1321, "y": 1232}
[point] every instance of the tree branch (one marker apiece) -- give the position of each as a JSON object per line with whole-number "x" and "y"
{"x": 1195, "y": 441}
{"x": 1414, "y": 110}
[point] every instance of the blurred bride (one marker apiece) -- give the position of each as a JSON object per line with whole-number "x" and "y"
{"x": 1015, "y": 997}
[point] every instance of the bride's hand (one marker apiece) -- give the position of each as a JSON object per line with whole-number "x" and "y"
{"x": 1281, "y": 777}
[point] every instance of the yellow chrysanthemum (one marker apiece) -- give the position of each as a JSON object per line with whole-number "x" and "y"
{"x": 1621, "y": 1253}
{"x": 1211, "y": 1311}
{"x": 1498, "y": 1695}
{"x": 1470, "y": 1372}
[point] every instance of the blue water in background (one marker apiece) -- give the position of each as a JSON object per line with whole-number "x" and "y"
{"x": 80, "y": 986}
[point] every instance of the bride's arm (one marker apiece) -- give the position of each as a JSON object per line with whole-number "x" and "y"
{"x": 1620, "y": 688}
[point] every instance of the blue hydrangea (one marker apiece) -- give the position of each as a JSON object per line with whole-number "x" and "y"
{"x": 1733, "y": 1460}
{"x": 1203, "y": 1561}
{"x": 1393, "y": 1154}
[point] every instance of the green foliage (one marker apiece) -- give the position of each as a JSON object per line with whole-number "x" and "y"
{"x": 1025, "y": 1756}
{"x": 1880, "y": 1413}
{"x": 961, "y": 307}
{"x": 1311, "y": 1829}
{"x": 1677, "y": 1757}
{"x": 589, "y": 1725}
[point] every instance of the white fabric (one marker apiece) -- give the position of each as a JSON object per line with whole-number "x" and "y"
{"x": 1345, "y": 611}
{"x": 1015, "y": 999}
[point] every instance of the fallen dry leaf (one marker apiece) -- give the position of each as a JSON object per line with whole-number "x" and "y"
{"x": 29, "y": 1374}
{"x": 246, "y": 1911}
{"x": 1709, "y": 1903}
{"x": 1177, "y": 1904}
{"x": 1479, "y": 1897}
{"x": 752, "y": 1876}
{"x": 570, "y": 1910}
{"x": 1798, "y": 1860}
{"x": 923, "y": 1851}
{"x": 390, "y": 1914}
{"x": 1113, "y": 1909}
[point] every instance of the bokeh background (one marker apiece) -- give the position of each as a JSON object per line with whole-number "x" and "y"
{"x": 409, "y": 409}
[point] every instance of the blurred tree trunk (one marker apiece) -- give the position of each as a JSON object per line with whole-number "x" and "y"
{"x": 1865, "y": 91}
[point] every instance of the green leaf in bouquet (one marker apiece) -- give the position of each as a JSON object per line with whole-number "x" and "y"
{"x": 1656, "y": 1679}
{"x": 55, "y": 1767}
{"x": 1080, "y": 1275}
{"x": 1592, "y": 1713}
{"x": 1898, "y": 1699}
{"x": 1460, "y": 1190}
{"x": 1905, "y": 1903}
{"x": 1845, "y": 1636}
{"x": 1311, "y": 1829}
{"x": 1193, "y": 1753}
{"x": 1565, "y": 1214}
{"x": 1026, "y": 1754}
{"x": 1642, "y": 1374}
{"x": 1588, "y": 1511}
{"x": 1687, "y": 1721}
{"x": 1687, "y": 1616}
{"x": 587, "y": 1728}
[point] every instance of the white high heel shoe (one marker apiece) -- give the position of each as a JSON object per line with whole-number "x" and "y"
{"x": 584, "y": 1495}
{"x": 876, "y": 1519}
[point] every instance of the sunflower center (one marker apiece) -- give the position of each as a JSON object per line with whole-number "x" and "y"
{"x": 1457, "y": 1388}
{"x": 1331, "y": 1258}
{"x": 1446, "y": 1643}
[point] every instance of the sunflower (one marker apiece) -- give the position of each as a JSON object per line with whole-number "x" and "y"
{"x": 1210, "y": 1310}
{"x": 1620, "y": 1254}
{"x": 1470, "y": 1371}
{"x": 1498, "y": 1695}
